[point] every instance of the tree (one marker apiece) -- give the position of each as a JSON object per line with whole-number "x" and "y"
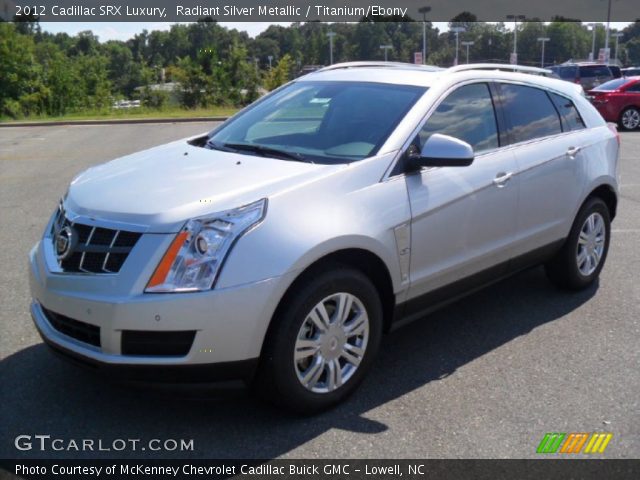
{"x": 280, "y": 74}
{"x": 19, "y": 72}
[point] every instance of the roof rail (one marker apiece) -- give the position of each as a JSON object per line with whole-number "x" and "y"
{"x": 409, "y": 66}
{"x": 499, "y": 66}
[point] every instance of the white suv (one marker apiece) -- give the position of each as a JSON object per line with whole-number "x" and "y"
{"x": 279, "y": 247}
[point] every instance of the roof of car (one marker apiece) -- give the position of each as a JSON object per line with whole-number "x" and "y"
{"x": 583, "y": 64}
{"x": 427, "y": 75}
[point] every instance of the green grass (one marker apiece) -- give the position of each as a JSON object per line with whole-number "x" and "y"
{"x": 132, "y": 113}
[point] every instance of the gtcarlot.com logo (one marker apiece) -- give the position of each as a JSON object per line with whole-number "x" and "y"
{"x": 574, "y": 443}
{"x": 45, "y": 443}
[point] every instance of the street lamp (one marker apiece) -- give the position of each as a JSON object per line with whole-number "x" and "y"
{"x": 594, "y": 27}
{"x": 606, "y": 34}
{"x": 543, "y": 40}
{"x": 386, "y": 49}
{"x": 617, "y": 35}
{"x": 457, "y": 31}
{"x": 467, "y": 44}
{"x": 424, "y": 10}
{"x": 331, "y": 35}
{"x": 515, "y": 19}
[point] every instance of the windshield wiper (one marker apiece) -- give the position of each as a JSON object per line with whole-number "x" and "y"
{"x": 218, "y": 146}
{"x": 266, "y": 151}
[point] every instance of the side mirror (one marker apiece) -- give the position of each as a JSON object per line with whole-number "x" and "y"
{"x": 442, "y": 151}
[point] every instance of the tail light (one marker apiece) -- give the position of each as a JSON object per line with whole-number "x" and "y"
{"x": 614, "y": 129}
{"x": 598, "y": 98}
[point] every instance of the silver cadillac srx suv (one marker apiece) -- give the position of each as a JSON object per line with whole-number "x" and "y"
{"x": 279, "y": 247}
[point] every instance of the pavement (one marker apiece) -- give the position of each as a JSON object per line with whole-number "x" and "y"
{"x": 485, "y": 377}
{"x": 108, "y": 121}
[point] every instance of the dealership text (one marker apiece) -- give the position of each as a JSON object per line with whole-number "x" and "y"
{"x": 226, "y": 470}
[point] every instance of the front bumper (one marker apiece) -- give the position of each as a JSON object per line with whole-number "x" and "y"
{"x": 229, "y": 324}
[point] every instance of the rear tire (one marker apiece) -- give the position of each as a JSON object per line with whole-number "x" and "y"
{"x": 579, "y": 263}
{"x": 317, "y": 353}
{"x": 629, "y": 118}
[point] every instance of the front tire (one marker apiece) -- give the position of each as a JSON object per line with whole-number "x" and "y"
{"x": 579, "y": 263}
{"x": 323, "y": 341}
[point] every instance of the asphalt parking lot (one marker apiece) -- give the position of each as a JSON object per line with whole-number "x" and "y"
{"x": 486, "y": 377}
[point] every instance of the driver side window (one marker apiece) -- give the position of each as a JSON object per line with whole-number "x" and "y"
{"x": 467, "y": 114}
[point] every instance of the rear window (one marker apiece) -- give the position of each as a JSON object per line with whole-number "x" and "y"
{"x": 571, "y": 119}
{"x": 611, "y": 85}
{"x": 594, "y": 71}
{"x": 531, "y": 113}
{"x": 566, "y": 72}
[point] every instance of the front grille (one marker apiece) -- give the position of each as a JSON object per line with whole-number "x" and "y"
{"x": 81, "y": 331}
{"x": 94, "y": 249}
{"x": 169, "y": 344}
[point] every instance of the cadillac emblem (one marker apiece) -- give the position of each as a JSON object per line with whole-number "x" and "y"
{"x": 65, "y": 242}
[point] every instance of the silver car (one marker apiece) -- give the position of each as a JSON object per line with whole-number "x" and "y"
{"x": 279, "y": 247}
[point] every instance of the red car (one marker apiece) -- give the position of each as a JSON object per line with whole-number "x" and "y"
{"x": 619, "y": 101}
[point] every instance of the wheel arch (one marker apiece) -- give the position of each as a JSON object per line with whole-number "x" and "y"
{"x": 361, "y": 259}
{"x": 608, "y": 195}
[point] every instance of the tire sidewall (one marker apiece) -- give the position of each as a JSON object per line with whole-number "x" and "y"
{"x": 284, "y": 374}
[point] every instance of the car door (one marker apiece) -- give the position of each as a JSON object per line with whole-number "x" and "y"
{"x": 548, "y": 160}
{"x": 463, "y": 218}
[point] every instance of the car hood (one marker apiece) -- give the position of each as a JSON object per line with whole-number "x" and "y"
{"x": 158, "y": 189}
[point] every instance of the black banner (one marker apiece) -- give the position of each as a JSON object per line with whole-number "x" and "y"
{"x": 543, "y": 469}
{"x": 321, "y": 10}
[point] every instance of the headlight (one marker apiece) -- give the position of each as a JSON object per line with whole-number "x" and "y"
{"x": 193, "y": 260}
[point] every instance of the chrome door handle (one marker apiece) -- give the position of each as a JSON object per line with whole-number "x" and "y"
{"x": 573, "y": 151}
{"x": 502, "y": 178}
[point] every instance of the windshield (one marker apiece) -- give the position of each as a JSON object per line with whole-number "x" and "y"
{"x": 611, "y": 85}
{"x": 320, "y": 122}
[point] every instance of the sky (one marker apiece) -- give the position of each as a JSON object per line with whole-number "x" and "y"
{"x": 126, "y": 30}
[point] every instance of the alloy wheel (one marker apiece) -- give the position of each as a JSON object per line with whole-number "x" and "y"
{"x": 591, "y": 244}
{"x": 331, "y": 343}
{"x": 631, "y": 119}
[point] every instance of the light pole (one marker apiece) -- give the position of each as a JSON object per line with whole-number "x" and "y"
{"x": 594, "y": 27}
{"x": 424, "y": 10}
{"x": 270, "y": 57}
{"x": 386, "y": 49}
{"x": 606, "y": 34}
{"x": 467, "y": 44}
{"x": 617, "y": 35}
{"x": 331, "y": 35}
{"x": 515, "y": 19}
{"x": 457, "y": 31}
{"x": 543, "y": 40}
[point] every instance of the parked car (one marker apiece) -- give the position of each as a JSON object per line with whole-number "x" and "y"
{"x": 619, "y": 101}
{"x": 615, "y": 71}
{"x": 589, "y": 75}
{"x": 631, "y": 71}
{"x": 279, "y": 247}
